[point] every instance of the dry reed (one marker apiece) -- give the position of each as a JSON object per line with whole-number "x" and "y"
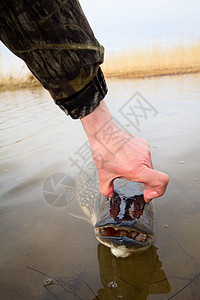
{"x": 17, "y": 80}
{"x": 15, "y": 74}
{"x": 10, "y": 82}
{"x": 156, "y": 60}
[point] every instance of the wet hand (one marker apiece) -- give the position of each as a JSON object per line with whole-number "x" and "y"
{"x": 131, "y": 161}
{"x": 118, "y": 154}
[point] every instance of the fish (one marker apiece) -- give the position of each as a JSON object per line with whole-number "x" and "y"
{"x": 124, "y": 222}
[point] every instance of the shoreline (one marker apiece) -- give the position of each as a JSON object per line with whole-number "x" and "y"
{"x": 154, "y": 61}
{"x": 120, "y": 76}
{"x": 136, "y": 63}
{"x": 160, "y": 73}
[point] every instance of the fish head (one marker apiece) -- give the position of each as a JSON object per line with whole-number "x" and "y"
{"x": 125, "y": 223}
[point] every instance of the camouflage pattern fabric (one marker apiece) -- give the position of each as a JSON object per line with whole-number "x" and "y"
{"x": 56, "y": 42}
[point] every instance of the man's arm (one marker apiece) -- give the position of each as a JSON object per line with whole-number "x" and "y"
{"x": 57, "y": 44}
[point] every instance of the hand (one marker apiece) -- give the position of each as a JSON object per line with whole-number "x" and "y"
{"x": 118, "y": 154}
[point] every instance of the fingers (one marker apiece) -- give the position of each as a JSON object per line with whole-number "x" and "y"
{"x": 107, "y": 188}
{"x": 155, "y": 183}
{"x": 150, "y": 161}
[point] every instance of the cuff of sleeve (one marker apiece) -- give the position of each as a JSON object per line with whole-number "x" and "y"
{"x": 87, "y": 100}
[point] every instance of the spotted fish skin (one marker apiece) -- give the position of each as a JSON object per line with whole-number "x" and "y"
{"x": 124, "y": 222}
{"x": 88, "y": 193}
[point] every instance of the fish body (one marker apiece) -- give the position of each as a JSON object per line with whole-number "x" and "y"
{"x": 124, "y": 223}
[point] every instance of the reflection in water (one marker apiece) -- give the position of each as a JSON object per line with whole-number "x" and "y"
{"x": 60, "y": 287}
{"x": 134, "y": 277}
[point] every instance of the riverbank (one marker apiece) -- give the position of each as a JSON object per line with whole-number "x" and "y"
{"x": 157, "y": 60}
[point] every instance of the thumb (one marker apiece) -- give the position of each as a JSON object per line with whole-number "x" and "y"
{"x": 155, "y": 183}
{"x": 106, "y": 188}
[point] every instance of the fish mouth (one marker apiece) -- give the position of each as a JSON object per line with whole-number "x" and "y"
{"x": 114, "y": 236}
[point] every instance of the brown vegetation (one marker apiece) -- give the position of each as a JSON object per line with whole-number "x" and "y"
{"x": 10, "y": 81}
{"x": 156, "y": 60}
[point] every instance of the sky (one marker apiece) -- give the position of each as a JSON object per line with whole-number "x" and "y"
{"x": 119, "y": 24}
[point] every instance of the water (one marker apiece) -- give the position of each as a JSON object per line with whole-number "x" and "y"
{"x": 41, "y": 240}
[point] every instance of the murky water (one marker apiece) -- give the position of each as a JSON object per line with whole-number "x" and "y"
{"x": 41, "y": 240}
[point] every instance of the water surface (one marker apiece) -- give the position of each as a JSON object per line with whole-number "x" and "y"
{"x": 41, "y": 240}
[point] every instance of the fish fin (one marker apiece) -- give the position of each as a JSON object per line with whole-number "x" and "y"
{"x": 78, "y": 217}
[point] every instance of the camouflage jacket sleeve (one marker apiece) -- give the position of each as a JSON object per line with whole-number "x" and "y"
{"x": 56, "y": 42}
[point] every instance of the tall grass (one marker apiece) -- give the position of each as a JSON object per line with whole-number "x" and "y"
{"x": 15, "y": 74}
{"x": 12, "y": 82}
{"x": 156, "y": 60}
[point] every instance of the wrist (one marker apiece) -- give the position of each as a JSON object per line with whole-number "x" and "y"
{"x": 95, "y": 121}
{"x": 104, "y": 135}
